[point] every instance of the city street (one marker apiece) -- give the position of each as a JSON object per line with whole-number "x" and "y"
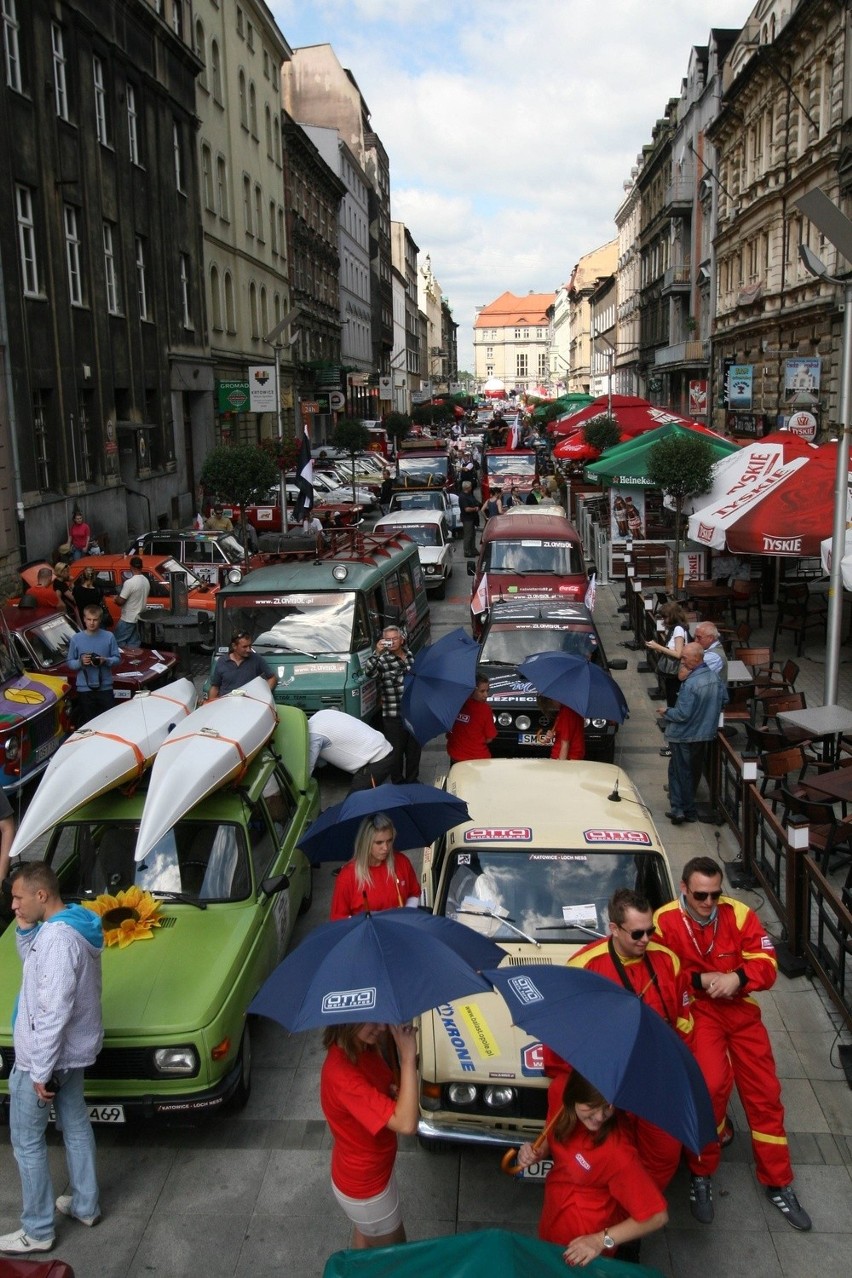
{"x": 249, "y": 1193}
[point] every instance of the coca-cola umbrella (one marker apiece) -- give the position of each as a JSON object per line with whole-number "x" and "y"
{"x": 633, "y": 414}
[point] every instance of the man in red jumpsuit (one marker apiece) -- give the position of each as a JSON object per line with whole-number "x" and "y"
{"x": 727, "y": 956}
{"x": 629, "y": 957}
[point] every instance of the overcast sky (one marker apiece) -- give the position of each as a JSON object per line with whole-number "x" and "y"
{"x": 511, "y": 125}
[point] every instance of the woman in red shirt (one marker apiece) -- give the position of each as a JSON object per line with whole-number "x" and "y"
{"x": 567, "y": 735}
{"x": 597, "y": 1195}
{"x": 365, "y": 1109}
{"x": 377, "y": 878}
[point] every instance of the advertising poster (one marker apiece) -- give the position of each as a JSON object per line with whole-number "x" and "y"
{"x": 627, "y": 512}
{"x": 740, "y": 377}
{"x": 697, "y": 398}
{"x": 262, "y": 388}
{"x": 802, "y": 376}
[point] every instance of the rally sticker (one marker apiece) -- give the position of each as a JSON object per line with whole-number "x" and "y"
{"x": 532, "y": 1060}
{"x": 363, "y": 1000}
{"x": 484, "y": 1042}
{"x": 617, "y": 836}
{"x": 498, "y": 834}
{"x": 446, "y": 1014}
{"x": 321, "y": 667}
{"x": 581, "y": 915}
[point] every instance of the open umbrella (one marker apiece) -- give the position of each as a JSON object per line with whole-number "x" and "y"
{"x": 440, "y": 681}
{"x": 420, "y": 813}
{"x": 577, "y": 683}
{"x": 633, "y": 414}
{"x": 623, "y": 1047}
{"x": 389, "y": 966}
{"x": 628, "y": 462}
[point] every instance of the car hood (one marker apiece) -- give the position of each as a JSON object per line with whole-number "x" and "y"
{"x": 509, "y": 585}
{"x": 505, "y": 684}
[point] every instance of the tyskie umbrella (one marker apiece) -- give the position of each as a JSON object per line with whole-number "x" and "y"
{"x": 746, "y": 472}
{"x": 623, "y": 1047}
{"x": 440, "y": 681}
{"x": 389, "y": 966}
{"x": 421, "y": 813}
{"x": 577, "y": 683}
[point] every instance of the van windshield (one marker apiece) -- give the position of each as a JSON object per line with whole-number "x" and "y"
{"x": 510, "y": 644}
{"x": 426, "y": 470}
{"x": 554, "y": 895}
{"x": 533, "y": 555}
{"x": 294, "y": 622}
{"x": 510, "y": 464}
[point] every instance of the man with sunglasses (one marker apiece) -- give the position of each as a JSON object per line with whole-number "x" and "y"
{"x": 727, "y": 956}
{"x": 629, "y": 956}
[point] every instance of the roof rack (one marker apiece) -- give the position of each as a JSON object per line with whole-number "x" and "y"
{"x": 345, "y": 545}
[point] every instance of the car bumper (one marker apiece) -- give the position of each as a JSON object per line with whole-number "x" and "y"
{"x": 474, "y": 1134}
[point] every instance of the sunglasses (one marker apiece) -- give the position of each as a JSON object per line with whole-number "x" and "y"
{"x": 706, "y": 896}
{"x": 639, "y": 932}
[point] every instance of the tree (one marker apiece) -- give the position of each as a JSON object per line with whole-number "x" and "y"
{"x": 241, "y": 475}
{"x": 602, "y": 433}
{"x": 397, "y": 426}
{"x": 681, "y": 466}
{"x": 351, "y": 437}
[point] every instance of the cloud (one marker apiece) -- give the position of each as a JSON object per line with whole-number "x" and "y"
{"x": 510, "y": 127}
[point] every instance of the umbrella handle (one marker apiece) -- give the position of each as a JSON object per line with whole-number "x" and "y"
{"x": 512, "y": 1168}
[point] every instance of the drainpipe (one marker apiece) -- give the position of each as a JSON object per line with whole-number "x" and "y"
{"x": 13, "y": 433}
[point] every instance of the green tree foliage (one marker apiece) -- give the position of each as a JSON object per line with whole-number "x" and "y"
{"x": 397, "y": 426}
{"x": 602, "y": 433}
{"x": 433, "y": 414}
{"x": 351, "y": 437}
{"x": 283, "y": 453}
{"x": 682, "y": 466}
{"x": 239, "y": 474}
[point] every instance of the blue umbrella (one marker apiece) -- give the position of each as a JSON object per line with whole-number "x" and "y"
{"x": 389, "y": 967}
{"x": 421, "y": 813}
{"x": 442, "y": 678}
{"x": 577, "y": 683}
{"x": 623, "y": 1047}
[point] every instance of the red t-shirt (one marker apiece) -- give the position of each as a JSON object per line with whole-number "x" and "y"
{"x": 387, "y": 891}
{"x": 473, "y": 729}
{"x": 356, "y": 1101}
{"x": 569, "y": 726}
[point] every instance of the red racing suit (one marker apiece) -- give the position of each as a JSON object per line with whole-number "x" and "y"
{"x": 661, "y": 983}
{"x": 731, "y": 1041}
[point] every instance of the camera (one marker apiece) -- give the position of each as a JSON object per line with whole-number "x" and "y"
{"x": 387, "y": 643}
{"x": 95, "y": 658}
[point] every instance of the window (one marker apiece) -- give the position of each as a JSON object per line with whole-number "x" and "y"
{"x": 141, "y": 279}
{"x": 253, "y": 110}
{"x": 177, "y": 17}
{"x": 27, "y": 241}
{"x": 216, "y": 71}
{"x": 230, "y": 313}
{"x": 85, "y": 433}
{"x": 282, "y": 243}
{"x": 222, "y": 188}
{"x": 201, "y": 52}
{"x": 250, "y": 36}
{"x": 542, "y": 365}
{"x": 132, "y": 125}
{"x": 264, "y": 313}
{"x": 110, "y": 275}
{"x": 520, "y": 365}
{"x": 72, "y": 256}
{"x": 207, "y": 176}
{"x": 241, "y": 85}
{"x": 255, "y": 330}
{"x": 276, "y": 141}
{"x": 60, "y": 84}
{"x": 266, "y": 64}
{"x": 258, "y": 215}
{"x": 12, "y": 45}
{"x": 517, "y": 334}
{"x": 247, "y": 203}
{"x": 240, "y": 31}
{"x": 100, "y": 102}
{"x": 273, "y": 237}
{"x": 177, "y": 147}
{"x": 267, "y": 115}
{"x": 215, "y": 299}
{"x": 489, "y": 352}
{"x": 184, "y": 290}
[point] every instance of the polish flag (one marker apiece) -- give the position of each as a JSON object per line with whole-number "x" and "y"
{"x": 481, "y": 601}
{"x": 591, "y": 592}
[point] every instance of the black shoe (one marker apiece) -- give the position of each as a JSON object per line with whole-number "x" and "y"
{"x": 784, "y": 1198}
{"x": 728, "y": 1132}
{"x": 666, "y": 752}
{"x": 701, "y": 1199}
{"x": 675, "y": 819}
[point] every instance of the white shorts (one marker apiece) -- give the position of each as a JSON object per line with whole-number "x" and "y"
{"x": 377, "y": 1216}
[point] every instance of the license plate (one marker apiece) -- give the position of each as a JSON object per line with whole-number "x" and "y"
{"x": 527, "y": 738}
{"x": 122, "y": 694}
{"x": 537, "y": 1171}
{"x": 100, "y": 1114}
{"x": 46, "y": 749}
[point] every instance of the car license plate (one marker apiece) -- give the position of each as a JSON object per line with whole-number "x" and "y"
{"x": 99, "y": 1114}
{"x": 46, "y": 749}
{"x": 537, "y": 1171}
{"x": 527, "y": 738}
{"x": 122, "y": 694}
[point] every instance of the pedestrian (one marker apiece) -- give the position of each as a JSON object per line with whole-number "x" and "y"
{"x": 7, "y": 835}
{"x": 87, "y": 591}
{"x": 714, "y": 652}
{"x": 238, "y": 666}
{"x": 385, "y": 491}
{"x": 43, "y": 593}
{"x": 366, "y": 1108}
{"x": 566, "y": 734}
{"x": 58, "y": 1032}
{"x": 493, "y": 505}
{"x": 391, "y": 661}
{"x": 350, "y": 744}
{"x": 377, "y": 877}
{"x": 630, "y": 956}
{"x": 218, "y": 521}
{"x": 597, "y": 1195}
{"x": 690, "y": 723}
{"x": 469, "y": 510}
{"x": 676, "y": 635}
{"x": 79, "y": 536}
{"x": 64, "y": 592}
{"x": 536, "y": 493}
{"x": 474, "y": 729}
{"x": 133, "y": 597}
{"x": 93, "y": 654}
{"x": 727, "y": 957}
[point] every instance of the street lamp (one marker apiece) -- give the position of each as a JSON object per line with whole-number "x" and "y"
{"x": 610, "y": 359}
{"x": 273, "y": 338}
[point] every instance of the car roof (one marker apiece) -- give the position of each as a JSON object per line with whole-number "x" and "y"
{"x": 397, "y": 517}
{"x": 20, "y": 617}
{"x": 549, "y": 527}
{"x": 317, "y": 574}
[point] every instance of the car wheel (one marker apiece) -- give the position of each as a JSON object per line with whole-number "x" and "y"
{"x": 441, "y": 591}
{"x": 431, "y": 1145}
{"x": 243, "y": 1089}
{"x": 308, "y": 898}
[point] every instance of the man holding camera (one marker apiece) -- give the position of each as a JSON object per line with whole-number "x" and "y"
{"x": 391, "y": 662}
{"x": 93, "y": 654}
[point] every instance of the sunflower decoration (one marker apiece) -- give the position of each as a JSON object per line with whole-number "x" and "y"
{"x": 126, "y": 917}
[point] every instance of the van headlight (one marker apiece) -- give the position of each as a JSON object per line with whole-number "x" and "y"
{"x": 523, "y": 723}
{"x": 176, "y": 1060}
{"x": 498, "y": 1097}
{"x": 235, "y": 576}
{"x": 461, "y": 1094}
{"x": 597, "y": 723}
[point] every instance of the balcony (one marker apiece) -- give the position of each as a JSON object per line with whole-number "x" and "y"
{"x": 680, "y": 194}
{"x": 676, "y": 280}
{"x": 683, "y": 353}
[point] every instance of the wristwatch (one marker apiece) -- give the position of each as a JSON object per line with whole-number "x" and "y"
{"x": 609, "y": 1243}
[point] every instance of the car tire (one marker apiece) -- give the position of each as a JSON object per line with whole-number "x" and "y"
{"x": 441, "y": 591}
{"x": 308, "y": 899}
{"x": 432, "y": 1145}
{"x": 239, "y": 1100}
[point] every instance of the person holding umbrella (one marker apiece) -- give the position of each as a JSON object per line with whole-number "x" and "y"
{"x": 597, "y": 1195}
{"x": 567, "y": 734}
{"x": 377, "y": 878}
{"x": 365, "y": 1109}
{"x": 474, "y": 729}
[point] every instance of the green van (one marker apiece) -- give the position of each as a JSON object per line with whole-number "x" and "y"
{"x": 315, "y": 618}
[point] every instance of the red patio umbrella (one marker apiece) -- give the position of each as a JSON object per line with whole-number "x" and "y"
{"x": 633, "y": 414}
{"x": 574, "y": 448}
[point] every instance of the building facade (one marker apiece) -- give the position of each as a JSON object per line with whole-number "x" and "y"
{"x": 587, "y": 274}
{"x": 511, "y": 340}
{"x": 405, "y": 360}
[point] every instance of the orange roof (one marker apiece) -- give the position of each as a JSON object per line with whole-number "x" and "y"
{"x": 509, "y": 310}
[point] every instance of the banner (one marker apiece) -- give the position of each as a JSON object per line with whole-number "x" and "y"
{"x": 262, "y": 388}
{"x": 697, "y": 398}
{"x": 627, "y": 512}
{"x": 802, "y": 375}
{"x": 740, "y": 378}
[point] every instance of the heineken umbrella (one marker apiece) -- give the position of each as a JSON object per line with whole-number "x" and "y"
{"x": 628, "y": 463}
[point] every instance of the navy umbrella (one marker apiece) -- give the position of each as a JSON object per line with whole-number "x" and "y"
{"x": 623, "y": 1047}
{"x": 440, "y": 681}
{"x": 577, "y": 683}
{"x": 421, "y": 813}
{"x": 389, "y": 966}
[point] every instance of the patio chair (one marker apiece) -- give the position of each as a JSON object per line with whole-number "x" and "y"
{"x": 798, "y": 612}
{"x": 778, "y": 766}
{"x": 828, "y": 834}
{"x": 746, "y": 595}
{"x": 759, "y": 660}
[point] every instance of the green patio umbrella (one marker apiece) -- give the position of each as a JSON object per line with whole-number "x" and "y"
{"x": 627, "y": 462}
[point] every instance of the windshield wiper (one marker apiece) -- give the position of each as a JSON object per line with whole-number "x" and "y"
{"x": 283, "y": 647}
{"x": 571, "y": 927}
{"x": 500, "y": 919}
{"x": 181, "y": 897}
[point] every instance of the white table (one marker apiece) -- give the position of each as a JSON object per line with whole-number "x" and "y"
{"x": 826, "y": 722}
{"x": 739, "y": 672}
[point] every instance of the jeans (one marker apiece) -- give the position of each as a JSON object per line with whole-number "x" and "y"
{"x": 93, "y": 702}
{"x": 28, "y": 1118}
{"x": 469, "y": 527}
{"x": 127, "y": 634}
{"x": 406, "y": 749}
{"x": 684, "y": 775}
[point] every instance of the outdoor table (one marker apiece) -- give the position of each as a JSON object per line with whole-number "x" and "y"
{"x": 825, "y": 723}
{"x": 714, "y": 598}
{"x": 837, "y": 786}
{"x": 739, "y": 672}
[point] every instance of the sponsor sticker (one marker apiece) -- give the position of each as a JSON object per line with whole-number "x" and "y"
{"x": 498, "y": 834}
{"x": 447, "y": 1016}
{"x": 484, "y": 1042}
{"x": 497, "y": 1073}
{"x": 617, "y": 836}
{"x": 582, "y": 915}
{"x": 782, "y": 545}
{"x": 532, "y": 1060}
{"x": 363, "y": 1000}
{"x": 525, "y": 990}
{"x": 581, "y": 1160}
{"x": 320, "y": 667}
{"x": 766, "y": 943}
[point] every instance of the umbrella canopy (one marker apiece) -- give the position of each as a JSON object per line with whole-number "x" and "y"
{"x": 421, "y": 813}
{"x": 633, "y": 415}
{"x": 790, "y": 513}
{"x": 440, "y": 681}
{"x": 846, "y": 561}
{"x": 628, "y": 463}
{"x": 577, "y": 683}
{"x": 749, "y": 467}
{"x": 494, "y": 388}
{"x": 623, "y": 1047}
{"x": 389, "y": 967}
{"x": 575, "y": 448}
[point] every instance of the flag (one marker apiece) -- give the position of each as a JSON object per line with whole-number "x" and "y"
{"x": 304, "y": 479}
{"x": 515, "y": 434}
{"x": 480, "y": 601}
{"x": 591, "y": 591}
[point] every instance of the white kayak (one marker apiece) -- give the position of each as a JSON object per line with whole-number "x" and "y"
{"x": 112, "y": 748}
{"x": 213, "y": 746}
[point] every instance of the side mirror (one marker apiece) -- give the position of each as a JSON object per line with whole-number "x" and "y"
{"x": 278, "y": 883}
{"x": 471, "y": 567}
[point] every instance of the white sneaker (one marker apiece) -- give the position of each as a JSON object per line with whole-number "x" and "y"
{"x": 63, "y": 1204}
{"x": 19, "y": 1243}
